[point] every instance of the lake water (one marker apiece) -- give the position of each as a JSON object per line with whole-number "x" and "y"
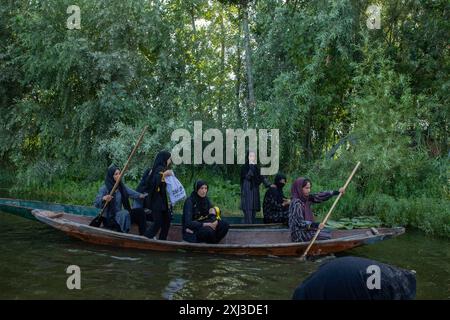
{"x": 34, "y": 258}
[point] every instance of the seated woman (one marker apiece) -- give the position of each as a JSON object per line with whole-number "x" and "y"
{"x": 276, "y": 205}
{"x": 301, "y": 218}
{"x": 119, "y": 214}
{"x": 200, "y": 223}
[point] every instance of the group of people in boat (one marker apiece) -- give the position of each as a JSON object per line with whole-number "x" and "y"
{"x": 201, "y": 223}
{"x": 277, "y": 208}
{"x": 201, "y": 220}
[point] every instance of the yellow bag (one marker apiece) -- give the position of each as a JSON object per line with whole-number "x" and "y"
{"x": 217, "y": 212}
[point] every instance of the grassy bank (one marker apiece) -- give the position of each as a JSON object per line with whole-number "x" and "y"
{"x": 430, "y": 215}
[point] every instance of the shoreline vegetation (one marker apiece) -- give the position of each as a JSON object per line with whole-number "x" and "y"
{"x": 429, "y": 215}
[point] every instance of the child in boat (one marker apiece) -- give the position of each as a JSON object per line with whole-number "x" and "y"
{"x": 301, "y": 218}
{"x": 200, "y": 219}
{"x": 119, "y": 214}
{"x": 276, "y": 205}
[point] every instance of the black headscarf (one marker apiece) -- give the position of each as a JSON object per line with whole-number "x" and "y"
{"x": 110, "y": 182}
{"x": 253, "y": 167}
{"x": 161, "y": 160}
{"x": 202, "y": 204}
{"x": 278, "y": 191}
{"x": 346, "y": 279}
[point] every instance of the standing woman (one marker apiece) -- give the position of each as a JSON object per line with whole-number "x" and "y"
{"x": 301, "y": 218}
{"x": 155, "y": 186}
{"x": 119, "y": 214}
{"x": 251, "y": 178}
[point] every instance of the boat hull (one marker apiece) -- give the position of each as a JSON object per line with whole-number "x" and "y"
{"x": 254, "y": 242}
{"x": 23, "y": 209}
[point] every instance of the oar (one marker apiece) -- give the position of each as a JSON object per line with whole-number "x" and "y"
{"x": 329, "y": 212}
{"x": 97, "y": 221}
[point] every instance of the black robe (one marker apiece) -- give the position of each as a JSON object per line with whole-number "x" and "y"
{"x": 251, "y": 179}
{"x": 152, "y": 182}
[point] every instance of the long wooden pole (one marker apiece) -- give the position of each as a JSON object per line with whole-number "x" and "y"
{"x": 97, "y": 220}
{"x": 331, "y": 210}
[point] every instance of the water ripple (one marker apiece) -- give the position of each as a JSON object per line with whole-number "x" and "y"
{"x": 173, "y": 287}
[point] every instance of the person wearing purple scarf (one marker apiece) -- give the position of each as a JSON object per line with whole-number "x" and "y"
{"x": 301, "y": 218}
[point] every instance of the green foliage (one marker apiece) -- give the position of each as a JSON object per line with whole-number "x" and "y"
{"x": 60, "y": 191}
{"x": 427, "y": 214}
{"x": 354, "y": 223}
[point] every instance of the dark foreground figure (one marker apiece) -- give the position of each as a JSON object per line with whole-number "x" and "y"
{"x": 349, "y": 278}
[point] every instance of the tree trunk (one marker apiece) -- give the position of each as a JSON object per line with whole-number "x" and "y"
{"x": 308, "y": 137}
{"x": 237, "y": 72}
{"x": 248, "y": 63}
{"x": 197, "y": 85}
{"x": 222, "y": 67}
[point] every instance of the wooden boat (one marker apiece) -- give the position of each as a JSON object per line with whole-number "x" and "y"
{"x": 23, "y": 208}
{"x": 256, "y": 241}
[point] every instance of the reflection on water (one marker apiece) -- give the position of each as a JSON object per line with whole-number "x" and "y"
{"x": 34, "y": 258}
{"x": 173, "y": 287}
{"x": 125, "y": 258}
